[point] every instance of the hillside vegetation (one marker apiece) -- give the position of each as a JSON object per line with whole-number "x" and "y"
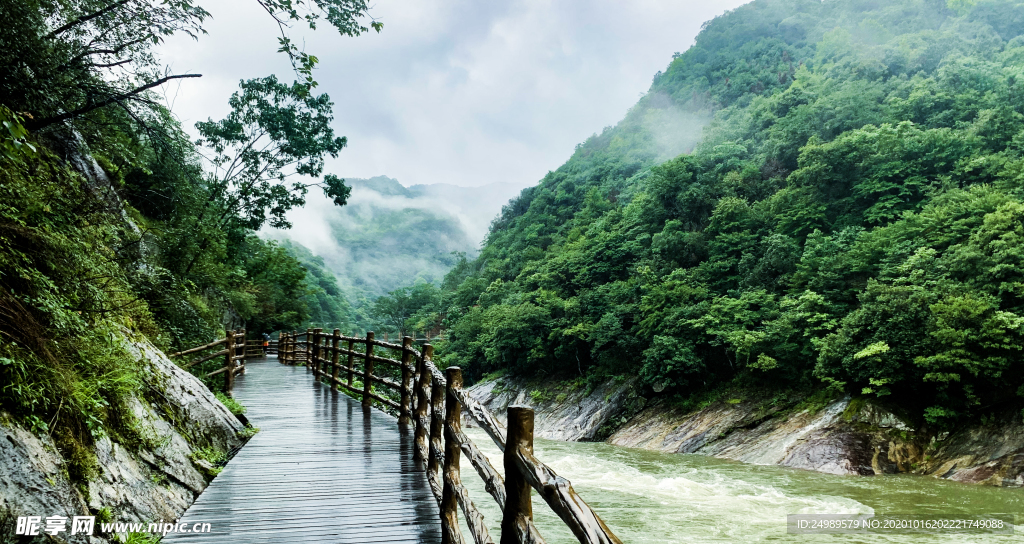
{"x": 852, "y": 219}
{"x": 116, "y": 228}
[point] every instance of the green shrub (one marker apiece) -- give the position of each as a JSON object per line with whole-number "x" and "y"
{"x": 231, "y": 404}
{"x": 248, "y": 432}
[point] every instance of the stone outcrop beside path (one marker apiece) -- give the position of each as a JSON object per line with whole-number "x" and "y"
{"x": 157, "y": 480}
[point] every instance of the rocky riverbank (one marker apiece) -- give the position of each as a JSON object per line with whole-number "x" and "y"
{"x": 838, "y": 436}
{"x": 153, "y": 476}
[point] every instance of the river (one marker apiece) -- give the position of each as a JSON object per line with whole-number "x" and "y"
{"x": 647, "y": 496}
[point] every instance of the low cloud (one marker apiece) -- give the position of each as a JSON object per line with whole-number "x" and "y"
{"x": 388, "y": 235}
{"x": 459, "y": 92}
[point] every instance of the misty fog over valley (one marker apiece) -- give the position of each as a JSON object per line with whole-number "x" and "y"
{"x": 389, "y": 236}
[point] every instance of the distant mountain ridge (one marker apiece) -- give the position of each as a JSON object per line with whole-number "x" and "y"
{"x": 390, "y": 236}
{"x": 475, "y": 207}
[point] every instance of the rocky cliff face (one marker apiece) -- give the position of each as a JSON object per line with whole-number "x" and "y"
{"x": 844, "y": 436}
{"x": 151, "y": 479}
{"x": 563, "y": 412}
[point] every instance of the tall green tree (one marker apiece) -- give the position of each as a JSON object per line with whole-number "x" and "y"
{"x": 263, "y": 155}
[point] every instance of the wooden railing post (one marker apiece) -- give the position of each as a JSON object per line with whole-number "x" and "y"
{"x": 335, "y": 339}
{"x": 405, "y": 412}
{"x": 368, "y": 369}
{"x": 421, "y": 453}
{"x": 291, "y": 348}
{"x": 288, "y": 348}
{"x": 311, "y": 359}
{"x": 414, "y": 378}
{"x": 351, "y": 362}
{"x": 309, "y": 349}
{"x": 518, "y": 512}
{"x": 451, "y": 479}
{"x": 436, "y": 424}
{"x": 242, "y": 364}
{"x": 318, "y": 362}
{"x": 229, "y": 362}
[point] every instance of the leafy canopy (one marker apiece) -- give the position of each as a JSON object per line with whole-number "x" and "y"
{"x": 274, "y": 132}
{"x": 847, "y": 218}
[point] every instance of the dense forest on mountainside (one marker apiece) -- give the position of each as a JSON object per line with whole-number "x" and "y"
{"x": 116, "y": 227}
{"x": 326, "y": 304}
{"x": 852, "y": 219}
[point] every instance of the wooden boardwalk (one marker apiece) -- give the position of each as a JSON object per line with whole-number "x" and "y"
{"x": 321, "y": 469}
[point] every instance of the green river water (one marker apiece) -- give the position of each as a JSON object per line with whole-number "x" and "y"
{"x": 647, "y": 496}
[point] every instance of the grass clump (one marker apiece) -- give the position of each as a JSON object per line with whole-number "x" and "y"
{"x": 248, "y": 432}
{"x": 231, "y": 404}
{"x": 139, "y": 538}
{"x": 104, "y": 515}
{"x": 538, "y": 396}
{"x": 209, "y": 460}
{"x": 494, "y": 376}
{"x": 817, "y": 401}
{"x": 209, "y": 454}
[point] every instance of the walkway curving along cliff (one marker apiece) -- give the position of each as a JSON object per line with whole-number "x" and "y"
{"x": 324, "y": 468}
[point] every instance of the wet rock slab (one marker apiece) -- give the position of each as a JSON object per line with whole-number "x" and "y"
{"x": 563, "y": 412}
{"x": 157, "y": 480}
{"x": 845, "y": 437}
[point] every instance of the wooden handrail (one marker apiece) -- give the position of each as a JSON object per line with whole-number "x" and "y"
{"x": 204, "y": 359}
{"x": 234, "y": 352}
{"x": 485, "y": 419}
{"x": 556, "y": 491}
{"x": 453, "y": 491}
{"x": 419, "y": 393}
{"x": 200, "y": 348}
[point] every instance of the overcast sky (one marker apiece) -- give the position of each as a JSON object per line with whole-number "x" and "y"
{"x": 458, "y": 91}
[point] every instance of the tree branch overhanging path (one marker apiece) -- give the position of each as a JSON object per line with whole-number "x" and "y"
{"x": 112, "y": 41}
{"x": 92, "y": 54}
{"x": 42, "y": 123}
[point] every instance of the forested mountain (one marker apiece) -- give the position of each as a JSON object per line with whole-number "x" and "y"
{"x": 386, "y": 237}
{"x": 851, "y": 218}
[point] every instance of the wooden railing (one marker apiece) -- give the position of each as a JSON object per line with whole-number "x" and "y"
{"x": 231, "y": 348}
{"x": 255, "y": 349}
{"x": 433, "y": 401}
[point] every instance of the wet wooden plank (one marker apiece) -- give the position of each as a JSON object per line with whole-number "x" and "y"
{"x": 322, "y": 469}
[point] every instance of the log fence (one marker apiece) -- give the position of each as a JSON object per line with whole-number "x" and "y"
{"x": 433, "y": 402}
{"x": 233, "y": 348}
{"x": 256, "y": 349}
